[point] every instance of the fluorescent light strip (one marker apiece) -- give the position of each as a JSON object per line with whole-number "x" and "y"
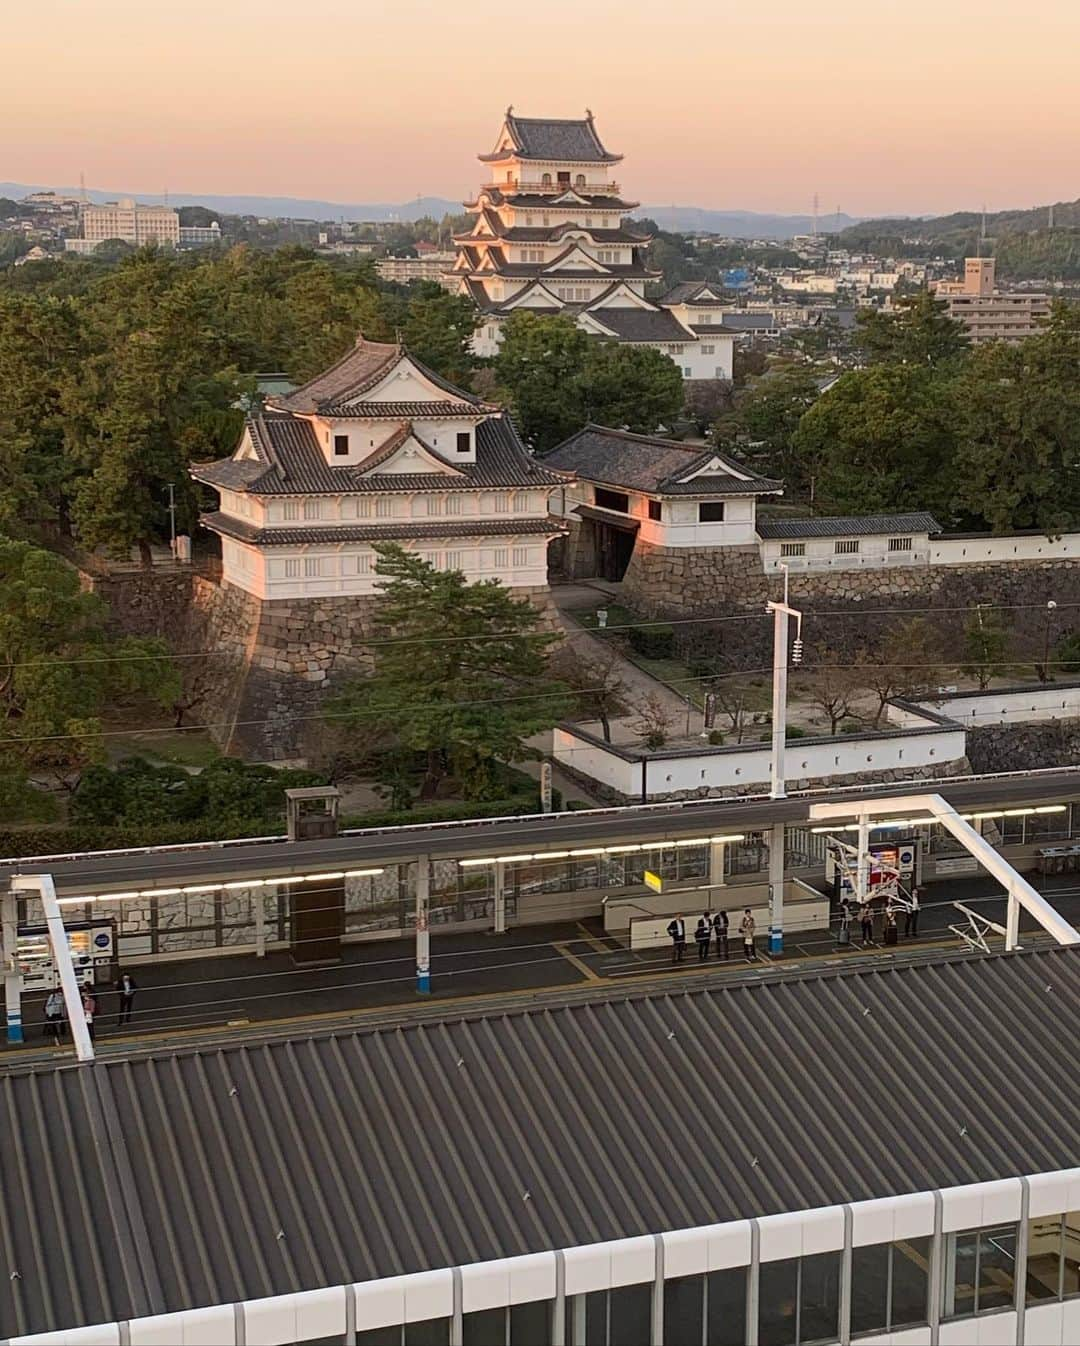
{"x": 878, "y": 824}
{"x": 598, "y": 850}
{"x": 231, "y": 886}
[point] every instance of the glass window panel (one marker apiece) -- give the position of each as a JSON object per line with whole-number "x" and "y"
{"x": 997, "y": 1268}
{"x": 819, "y": 1297}
{"x": 485, "y": 1328}
{"x": 910, "y": 1282}
{"x": 530, "y": 1324}
{"x": 960, "y": 1275}
{"x": 630, "y": 1315}
{"x": 430, "y": 1332}
{"x": 778, "y": 1302}
{"x": 596, "y": 1313}
{"x": 1044, "y": 1259}
{"x": 1071, "y": 1243}
{"x": 870, "y": 1287}
{"x": 726, "y": 1306}
{"x": 684, "y": 1303}
{"x": 380, "y": 1336}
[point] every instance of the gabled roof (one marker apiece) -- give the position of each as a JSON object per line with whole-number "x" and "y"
{"x": 290, "y": 461}
{"x": 852, "y": 526}
{"x": 641, "y": 324}
{"x": 177, "y": 1177}
{"x": 700, "y": 293}
{"x": 566, "y": 140}
{"x": 648, "y": 463}
{"x": 359, "y": 370}
{"x": 541, "y": 201}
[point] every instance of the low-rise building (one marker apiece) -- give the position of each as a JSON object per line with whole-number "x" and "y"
{"x": 200, "y": 235}
{"x": 990, "y": 314}
{"x": 431, "y": 266}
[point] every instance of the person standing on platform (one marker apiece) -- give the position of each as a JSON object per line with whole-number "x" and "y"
{"x": 889, "y": 929}
{"x": 866, "y": 920}
{"x": 747, "y": 926}
{"x": 126, "y": 988}
{"x": 703, "y": 934}
{"x": 911, "y": 916}
{"x": 720, "y": 929}
{"x": 677, "y": 931}
{"x": 54, "y": 1015}
{"x": 89, "y": 1005}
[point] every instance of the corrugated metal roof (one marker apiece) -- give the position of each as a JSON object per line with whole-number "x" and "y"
{"x": 852, "y": 526}
{"x": 266, "y": 1168}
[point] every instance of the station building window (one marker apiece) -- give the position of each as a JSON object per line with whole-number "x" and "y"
{"x": 1053, "y": 1263}
{"x": 430, "y": 1332}
{"x": 517, "y": 1325}
{"x": 980, "y": 1271}
{"x": 799, "y": 1300}
{"x": 890, "y": 1285}
{"x": 702, "y": 1309}
{"x": 610, "y": 1317}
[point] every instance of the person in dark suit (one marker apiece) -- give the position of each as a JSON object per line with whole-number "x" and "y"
{"x": 126, "y": 987}
{"x": 720, "y": 930}
{"x": 677, "y": 931}
{"x": 703, "y": 934}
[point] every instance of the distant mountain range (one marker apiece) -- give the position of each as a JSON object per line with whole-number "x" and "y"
{"x": 962, "y": 223}
{"x": 733, "y": 223}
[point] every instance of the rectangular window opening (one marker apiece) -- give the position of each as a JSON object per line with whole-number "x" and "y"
{"x": 710, "y": 511}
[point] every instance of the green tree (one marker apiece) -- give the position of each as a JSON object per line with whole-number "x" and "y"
{"x": 880, "y": 439}
{"x": 1018, "y": 461}
{"x": 462, "y": 676}
{"x": 537, "y": 371}
{"x": 766, "y": 418}
{"x": 59, "y": 669}
{"x": 437, "y": 330}
{"x": 556, "y": 378}
{"x": 917, "y": 332}
{"x": 985, "y": 646}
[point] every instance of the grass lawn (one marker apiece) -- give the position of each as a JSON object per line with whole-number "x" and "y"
{"x": 190, "y": 747}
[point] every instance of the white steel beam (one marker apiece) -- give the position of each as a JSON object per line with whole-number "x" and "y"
{"x": 43, "y": 887}
{"x": 1020, "y": 892}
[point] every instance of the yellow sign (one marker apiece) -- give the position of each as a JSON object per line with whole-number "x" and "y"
{"x": 653, "y": 881}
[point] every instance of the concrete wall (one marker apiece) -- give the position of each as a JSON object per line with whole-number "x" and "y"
{"x": 914, "y": 753}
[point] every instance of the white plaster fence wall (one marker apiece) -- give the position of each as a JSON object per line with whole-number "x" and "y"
{"x": 1023, "y": 547}
{"x": 1019, "y": 705}
{"x": 739, "y": 767}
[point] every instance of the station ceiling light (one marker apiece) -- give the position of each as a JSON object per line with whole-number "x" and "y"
{"x": 599, "y": 850}
{"x": 194, "y": 889}
{"x": 877, "y": 824}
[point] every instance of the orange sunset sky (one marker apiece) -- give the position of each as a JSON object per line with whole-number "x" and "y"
{"x": 919, "y": 106}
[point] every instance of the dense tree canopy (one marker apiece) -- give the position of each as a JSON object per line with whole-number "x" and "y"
{"x": 461, "y": 676}
{"x": 556, "y": 378}
{"x": 117, "y": 376}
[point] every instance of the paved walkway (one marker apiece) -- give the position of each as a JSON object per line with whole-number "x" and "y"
{"x": 222, "y": 997}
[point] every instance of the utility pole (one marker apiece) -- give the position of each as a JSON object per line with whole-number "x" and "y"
{"x": 172, "y": 518}
{"x": 781, "y": 612}
{"x": 423, "y": 933}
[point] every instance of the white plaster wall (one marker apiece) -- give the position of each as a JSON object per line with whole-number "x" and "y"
{"x": 821, "y": 555}
{"x": 348, "y": 569}
{"x": 731, "y": 769}
{"x": 1004, "y": 707}
{"x": 386, "y": 506}
{"x": 971, "y": 551}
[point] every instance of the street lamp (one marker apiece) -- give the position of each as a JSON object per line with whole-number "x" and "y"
{"x": 781, "y": 612}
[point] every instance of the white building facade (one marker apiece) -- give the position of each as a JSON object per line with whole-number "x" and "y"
{"x": 377, "y": 449}
{"x": 550, "y": 236}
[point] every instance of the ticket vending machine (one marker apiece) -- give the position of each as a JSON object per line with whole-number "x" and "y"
{"x": 93, "y": 954}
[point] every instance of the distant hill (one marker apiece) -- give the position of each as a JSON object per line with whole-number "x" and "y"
{"x": 678, "y": 219}
{"x": 269, "y": 207}
{"x": 1025, "y": 246}
{"x": 740, "y": 223}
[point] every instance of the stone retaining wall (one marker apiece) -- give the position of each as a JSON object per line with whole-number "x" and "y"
{"x": 1024, "y": 747}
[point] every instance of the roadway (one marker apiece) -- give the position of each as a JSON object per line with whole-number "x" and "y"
{"x": 241, "y": 996}
{"x": 165, "y": 868}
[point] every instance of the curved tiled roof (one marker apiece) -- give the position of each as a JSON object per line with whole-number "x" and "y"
{"x": 572, "y": 140}
{"x": 852, "y": 526}
{"x": 228, "y": 526}
{"x": 543, "y": 200}
{"x": 290, "y": 461}
{"x": 649, "y": 463}
{"x": 641, "y": 324}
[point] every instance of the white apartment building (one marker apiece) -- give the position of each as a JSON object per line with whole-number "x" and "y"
{"x": 129, "y": 221}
